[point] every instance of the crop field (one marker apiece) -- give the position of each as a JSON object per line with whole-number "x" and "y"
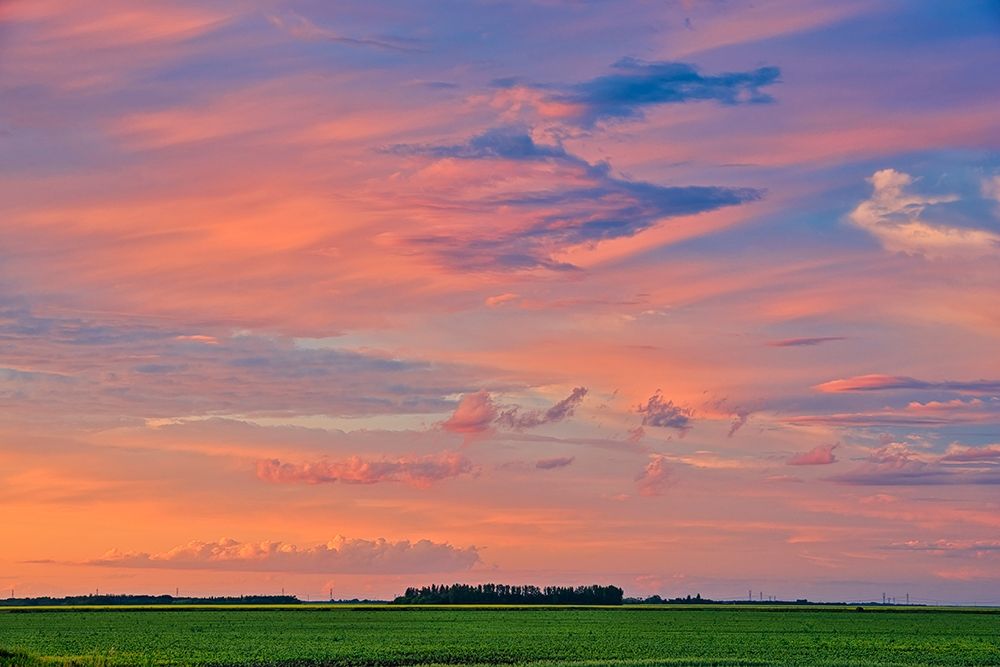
{"x": 661, "y": 635}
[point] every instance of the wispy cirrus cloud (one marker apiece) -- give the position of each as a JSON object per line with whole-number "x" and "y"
{"x": 300, "y": 27}
{"x": 419, "y": 471}
{"x": 340, "y": 555}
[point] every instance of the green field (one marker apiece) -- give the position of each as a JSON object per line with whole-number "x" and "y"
{"x": 662, "y": 635}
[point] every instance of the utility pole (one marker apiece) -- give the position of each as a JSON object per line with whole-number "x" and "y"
{"x": 883, "y": 598}
{"x": 331, "y": 594}
{"x": 750, "y": 595}
{"x": 907, "y": 599}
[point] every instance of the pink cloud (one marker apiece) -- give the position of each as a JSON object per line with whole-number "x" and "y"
{"x": 500, "y": 299}
{"x": 655, "y": 477}
{"x": 419, "y": 471}
{"x": 475, "y": 414}
{"x": 339, "y": 555}
{"x": 817, "y": 456}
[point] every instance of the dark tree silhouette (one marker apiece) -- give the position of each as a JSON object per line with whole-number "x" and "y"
{"x": 505, "y": 594}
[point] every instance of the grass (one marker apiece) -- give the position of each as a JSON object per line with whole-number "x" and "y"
{"x": 314, "y": 635}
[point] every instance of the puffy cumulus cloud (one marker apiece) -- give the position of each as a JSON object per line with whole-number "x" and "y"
{"x": 656, "y": 476}
{"x": 417, "y": 470}
{"x": 895, "y": 382}
{"x": 895, "y": 217}
{"x": 817, "y": 456}
{"x": 630, "y": 88}
{"x": 554, "y": 462}
{"x": 541, "y": 200}
{"x": 478, "y": 413}
{"x": 662, "y": 413}
{"x": 804, "y": 342}
{"x": 340, "y": 555}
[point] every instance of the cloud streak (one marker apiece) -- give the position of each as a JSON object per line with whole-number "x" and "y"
{"x": 861, "y": 383}
{"x": 804, "y": 342}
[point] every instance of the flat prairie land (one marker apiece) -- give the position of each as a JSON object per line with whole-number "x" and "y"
{"x": 313, "y": 635}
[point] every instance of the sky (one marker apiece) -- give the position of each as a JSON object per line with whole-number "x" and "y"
{"x": 686, "y": 297}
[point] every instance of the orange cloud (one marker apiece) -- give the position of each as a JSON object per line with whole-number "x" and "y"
{"x": 817, "y": 456}
{"x": 418, "y": 470}
{"x": 340, "y": 555}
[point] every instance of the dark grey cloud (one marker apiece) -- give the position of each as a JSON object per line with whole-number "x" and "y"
{"x": 662, "y": 413}
{"x": 586, "y": 205}
{"x": 634, "y": 85}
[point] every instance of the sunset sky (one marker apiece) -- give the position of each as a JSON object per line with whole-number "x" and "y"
{"x": 686, "y": 297}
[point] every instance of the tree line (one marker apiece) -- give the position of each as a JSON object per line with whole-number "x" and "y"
{"x": 504, "y": 594}
{"x": 74, "y": 600}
